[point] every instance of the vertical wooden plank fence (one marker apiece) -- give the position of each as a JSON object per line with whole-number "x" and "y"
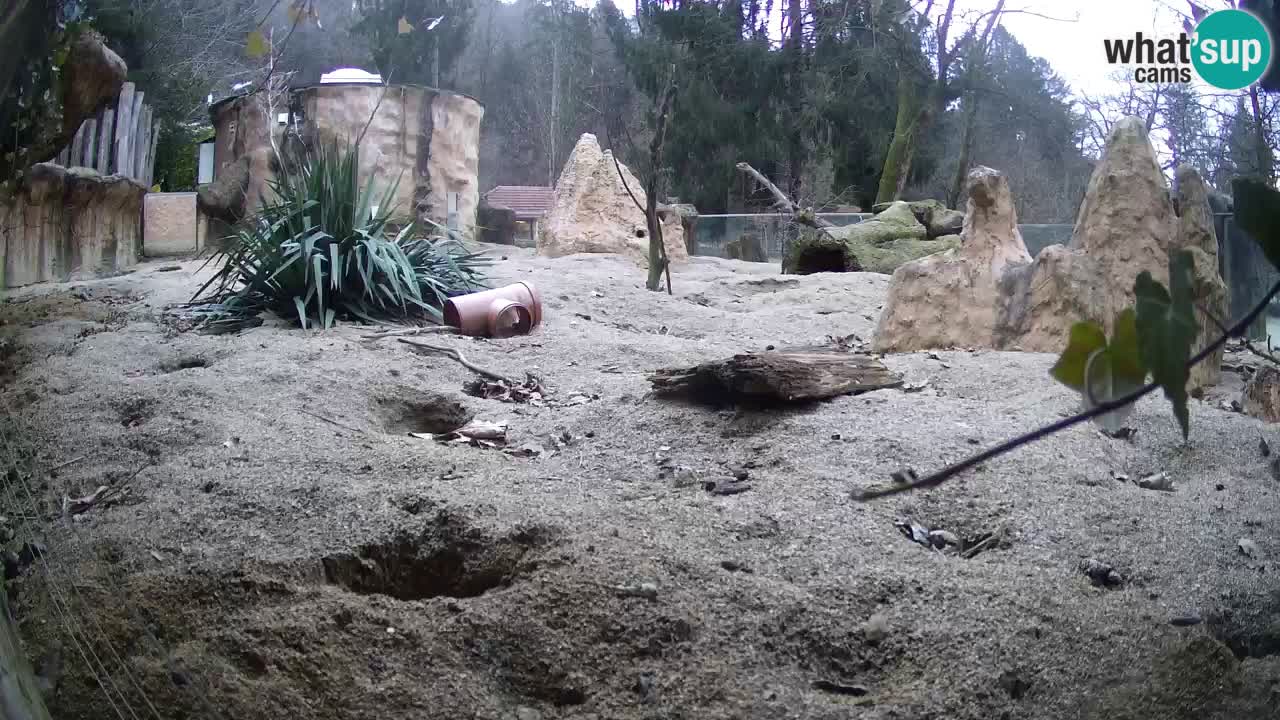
{"x": 120, "y": 140}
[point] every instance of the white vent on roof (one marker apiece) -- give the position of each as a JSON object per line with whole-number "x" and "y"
{"x": 350, "y": 75}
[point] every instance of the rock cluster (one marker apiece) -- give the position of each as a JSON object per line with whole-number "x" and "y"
{"x": 594, "y": 213}
{"x": 990, "y": 293}
{"x": 882, "y": 244}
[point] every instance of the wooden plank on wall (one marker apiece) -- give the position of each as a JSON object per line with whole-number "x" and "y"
{"x": 144, "y": 144}
{"x": 124, "y": 124}
{"x": 106, "y": 136}
{"x": 91, "y": 142}
{"x": 151, "y": 156}
{"x": 135, "y": 142}
{"x": 77, "y": 147}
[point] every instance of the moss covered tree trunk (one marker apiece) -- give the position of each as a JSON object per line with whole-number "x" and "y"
{"x": 902, "y": 149}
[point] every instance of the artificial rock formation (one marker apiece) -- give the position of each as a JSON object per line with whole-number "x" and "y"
{"x": 990, "y": 294}
{"x": 67, "y": 224}
{"x": 952, "y": 299}
{"x": 881, "y": 244}
{"x": 594, "y": 213}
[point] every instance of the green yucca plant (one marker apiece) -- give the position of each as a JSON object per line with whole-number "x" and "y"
{"x": 321, "y": 250}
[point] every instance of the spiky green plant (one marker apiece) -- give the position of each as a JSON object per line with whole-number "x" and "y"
{"x": 321, "y": 249}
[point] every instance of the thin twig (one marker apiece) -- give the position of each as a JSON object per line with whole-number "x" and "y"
{"x": 61, "y": 465}
{"x": 457, "y": 355}
{"x": 951, "y": 471}
{"x": 333, "y": 422}
{"x": 411, "y": 331}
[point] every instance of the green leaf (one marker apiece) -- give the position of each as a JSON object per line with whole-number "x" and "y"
{"x": 1257, "y": 212}
{"x": 1167, "y": 329}
{"x": 1085, "y": 339}
{"x": 1125, "y": 352}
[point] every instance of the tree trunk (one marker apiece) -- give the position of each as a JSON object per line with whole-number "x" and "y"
{"x": 966, "y": 147}
{"x": 1262, "y": 151}
{"x": 897, "y": 162}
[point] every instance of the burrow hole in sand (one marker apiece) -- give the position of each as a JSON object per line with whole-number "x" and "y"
{"x": 435, "y": 564}
{"x": 413, "y": 411}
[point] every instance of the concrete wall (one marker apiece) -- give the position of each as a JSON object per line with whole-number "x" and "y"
{"x": 171, "y": 224}
{"x": 69, "y": 224}
{"x": 426, "y": 139}
{"x": 240, "y": 127}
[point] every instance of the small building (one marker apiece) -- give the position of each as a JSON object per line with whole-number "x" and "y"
{"x": 529, "y": 202}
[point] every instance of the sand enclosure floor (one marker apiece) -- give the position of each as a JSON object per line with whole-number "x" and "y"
{"x": 272, "y": 542}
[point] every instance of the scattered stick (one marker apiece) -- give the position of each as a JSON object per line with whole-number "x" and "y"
{"x": 335, "y": 423}
{"x": 61, "y": 465}
{"x": 411, "y": 331}
{"x": 457, "y": 355}
{"x": 986, "y": 543}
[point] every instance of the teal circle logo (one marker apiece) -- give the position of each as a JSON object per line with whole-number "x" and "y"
{"x": 1232, "y": 49}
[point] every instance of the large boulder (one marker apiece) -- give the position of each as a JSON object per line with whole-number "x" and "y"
{"x": 93, "y": 76}
{"x": 1126, "y": 221}
{"x": 952, "y": 299}
{"x": 880, "y": 245}
{"x": 1196, "y": 235}
{"x": 594, "y": 212}
{"x": 937, "y": 219}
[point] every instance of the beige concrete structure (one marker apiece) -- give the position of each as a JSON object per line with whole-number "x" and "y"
{"x": 172, "y": 225}
{"x": 425, "y": 140}
{"x": 66, "y": 224}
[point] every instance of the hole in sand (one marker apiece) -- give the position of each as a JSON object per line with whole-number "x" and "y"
{"x": 1249, "y": 633}
{"x": 184, "y": 362}
{"x": 449, "y": 560}
{"x": 818, "y": 260}
{"x": 405, "y": 410}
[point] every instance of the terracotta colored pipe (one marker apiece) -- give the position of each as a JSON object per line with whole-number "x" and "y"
{"x": 507, "y": 318}
{"x": 472, "y": 313}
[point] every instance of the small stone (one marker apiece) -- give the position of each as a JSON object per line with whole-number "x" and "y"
{"x": 1100, "y": 573}
{"x": 527, "y": 713}
{"x": 1186, "y": 620}
{"x": 1249, "y": 548}
{"x": 943, "y": 538}
{"x": 1219, "y": 487}
{"x": 876, "y": 629}
{"x": 735, "y": 566}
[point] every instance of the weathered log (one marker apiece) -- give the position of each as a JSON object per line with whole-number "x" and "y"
{"x": 797, "y": 375}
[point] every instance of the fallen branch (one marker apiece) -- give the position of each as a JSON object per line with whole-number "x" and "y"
{"x": 782, "y": 201}
{"x": 457, "y": 355}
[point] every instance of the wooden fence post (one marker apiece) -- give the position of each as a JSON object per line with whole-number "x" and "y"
{"x": 90, "y": 142}
{"x": 105, "y": 138}
{"x": 124, "y": 124}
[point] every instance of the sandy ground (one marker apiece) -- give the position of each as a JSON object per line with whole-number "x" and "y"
{"x": 272, "y": 543}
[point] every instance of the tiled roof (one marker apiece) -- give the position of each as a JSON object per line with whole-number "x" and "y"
{"x": 529, "y": 201}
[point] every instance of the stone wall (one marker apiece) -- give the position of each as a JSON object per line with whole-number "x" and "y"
{"x": 69, "y": 224}
{"x": 425, "y": 139}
